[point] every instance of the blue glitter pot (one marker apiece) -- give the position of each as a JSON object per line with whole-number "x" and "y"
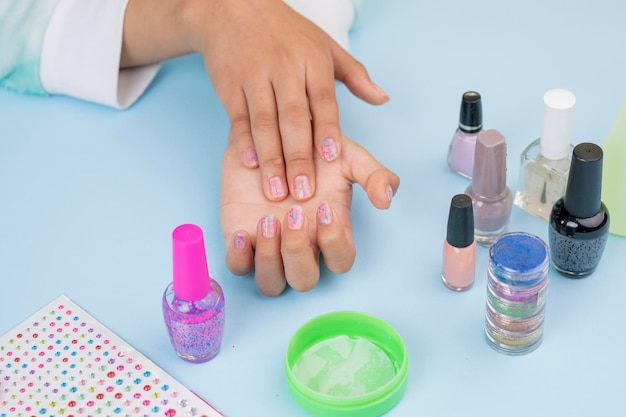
{"x": 517, "y": 282}
{"x": 346, "y": 364}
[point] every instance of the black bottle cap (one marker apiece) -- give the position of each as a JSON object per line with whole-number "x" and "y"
{"x": 584, "y": 184}
{"x": 471, "y": 118}
{"x": 461, "y": 221}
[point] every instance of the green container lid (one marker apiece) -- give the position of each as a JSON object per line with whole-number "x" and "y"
{"x": 332, "y": 343}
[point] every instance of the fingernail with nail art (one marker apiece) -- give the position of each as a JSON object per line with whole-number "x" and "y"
{"x": 240, "y": 241}
{"x": 295, "y": 218}
{"x": 329, "y": 149}
{"x": 302, "y": 187}
{"x": 324, "y": 214}
{"x": 277, "y": 188}
{"x": 251, "y": 158}
{"x": 268, "y": 226}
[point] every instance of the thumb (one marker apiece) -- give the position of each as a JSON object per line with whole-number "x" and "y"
{"x": 380, "y": 183}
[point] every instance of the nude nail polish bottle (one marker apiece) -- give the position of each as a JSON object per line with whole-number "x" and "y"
{"x": 193, "y": 304}
{"x": 545, "y": 162}
{"x": 579, "y": 222}
{"x": 463, "y": 143}
{"x": 492, "y": 199}
{"x": 459, "y": 248}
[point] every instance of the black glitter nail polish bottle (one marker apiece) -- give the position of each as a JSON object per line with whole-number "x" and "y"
{"x": 579, "y": 222}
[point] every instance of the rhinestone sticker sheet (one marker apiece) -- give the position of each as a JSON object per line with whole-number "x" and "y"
{"x": 61, "y": 362}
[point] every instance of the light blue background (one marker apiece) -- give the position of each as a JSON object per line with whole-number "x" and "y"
{"x": 89, "y": 197}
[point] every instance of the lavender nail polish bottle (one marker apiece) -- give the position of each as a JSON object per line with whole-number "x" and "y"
{"x": 193, "y": 304}
{"x": 463, "y": 143}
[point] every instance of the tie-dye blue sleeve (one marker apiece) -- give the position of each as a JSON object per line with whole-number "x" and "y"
{"x": 23, "y": 26}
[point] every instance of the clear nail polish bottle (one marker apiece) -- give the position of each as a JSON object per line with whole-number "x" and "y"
{"x": 491, "y": 198}
{"x": 545, "y": 162}
{"x": 461, "y": 150}
{"x": 193, "y": 304}
{"x": 459, "y": 248}
{"x": 579, "y": 222}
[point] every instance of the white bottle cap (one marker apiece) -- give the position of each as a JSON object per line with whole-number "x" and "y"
{"x": 557, "y": 123}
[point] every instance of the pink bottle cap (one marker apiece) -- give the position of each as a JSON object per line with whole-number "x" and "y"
{"x": 191, "y": 273}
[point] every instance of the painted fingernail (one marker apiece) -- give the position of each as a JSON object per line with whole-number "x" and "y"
{"x": 324, "y": 215}
{"x": 389, "y": 193}
{"x": 329, "y": 149}
{"x": 240, "y": 241}
{"x": 295, "y": 219}
{"x": 302, "y": 187}
{"x": 277, "y": 188}
{"x": 268, "y": 226}
{"x": 251, "y": 158}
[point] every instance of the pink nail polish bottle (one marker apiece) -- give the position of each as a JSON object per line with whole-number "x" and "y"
{"x": 193, "y": 304}
{"x": 459, "y": 249}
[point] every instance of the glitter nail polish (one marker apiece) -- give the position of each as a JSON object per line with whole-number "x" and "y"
{"x": 579, "y": 222}
{"x": 193, "y": 304}
{"x": 517, "y": 281}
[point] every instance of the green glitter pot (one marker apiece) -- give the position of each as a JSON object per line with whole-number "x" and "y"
{"x": 346, "y": 364}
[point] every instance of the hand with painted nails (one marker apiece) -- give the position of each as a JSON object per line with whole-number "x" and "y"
{"x": 281, "y": 241}
{"x": 272, "y": 69}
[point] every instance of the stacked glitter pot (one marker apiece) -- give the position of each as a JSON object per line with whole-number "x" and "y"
{"x": 516, "y": 289}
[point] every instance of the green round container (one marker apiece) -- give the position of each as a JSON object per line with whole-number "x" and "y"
{"x": 356, "y": 326}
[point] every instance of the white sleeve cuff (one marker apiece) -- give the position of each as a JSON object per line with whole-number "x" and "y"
{"x": 335, "y": 17}
{"x": 81, "y": 54}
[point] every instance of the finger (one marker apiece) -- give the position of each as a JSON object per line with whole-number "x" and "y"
{"x": 239, "y": 256}
{"x": 241, "y": 132}
{"x": 300, "y": 259}
{"x": 295, "y": 132}
{"x": 380, "y": 183}
{"x": 269, "y": 274}
{"x": 354, "y": 75}
{"x": 334, "y": 240}
{"x": 266, "y": 138}
{"x": 324, "y": 110}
